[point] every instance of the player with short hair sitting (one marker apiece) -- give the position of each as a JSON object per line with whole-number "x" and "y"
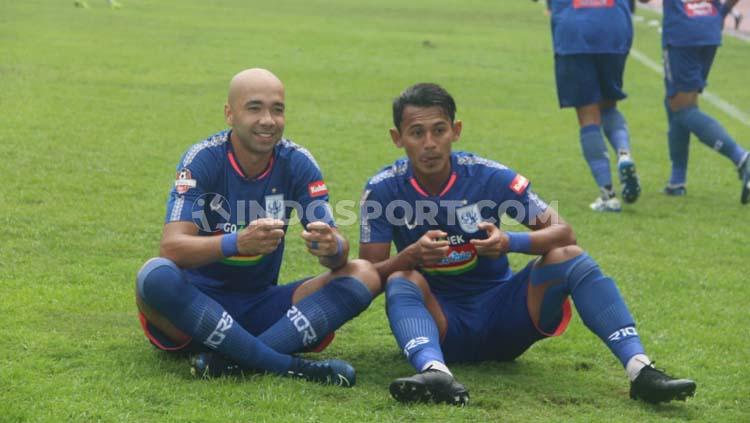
{"x": 213, "y": 290}
{"x": 451, "y": 295}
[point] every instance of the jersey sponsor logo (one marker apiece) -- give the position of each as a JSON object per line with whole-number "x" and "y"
{"x": 519, "y": 184}
{"x": 303, "y": 326}
{"x": 415, "y": 342}
{"x": 275, "y": 206}
{"x": 218, "y": 335}
{"x": 699, "y": 8}
{"x": 468, "y": 218}
{"x": 184, "y": 181}
{"x": 460, "y": 259}
{"x": 317, "y": 189}
{"x": 592, "y": 4}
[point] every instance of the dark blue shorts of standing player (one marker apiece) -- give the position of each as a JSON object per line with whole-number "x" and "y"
{"x": 686, "y": 68}
{"x": 495, "y": 324}
{"x": 255, "y": 312}
{"x": 584, "y": 79}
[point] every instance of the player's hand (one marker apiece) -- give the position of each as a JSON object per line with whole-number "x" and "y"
{"x": 494, "y": 245}
{"x": 320, "y": 239}
{"x": 430, "y": 248}
{"x": 261, "y": 236}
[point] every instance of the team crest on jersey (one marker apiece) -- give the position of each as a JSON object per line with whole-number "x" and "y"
{"x": 184, "y": 181}
{"x": 468, "y": 218}
{"x": 317, "y": 189}
{"x": 275, "y": 206}
{"x": 519, "y": 184}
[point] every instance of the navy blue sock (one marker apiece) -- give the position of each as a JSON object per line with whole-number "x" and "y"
{"x": 322, "y": 312}
{"x": 413, "y": 326}
{"x": 616, "y": 129}
{"x": 595, "y": 153}
{"x": 162, "y": 286}
{"x": 597, "y": 300}
{"x": 710, "y": 132}
{"x": 679, "y": 143}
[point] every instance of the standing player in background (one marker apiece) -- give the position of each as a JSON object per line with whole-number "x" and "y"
{"x": 691, "y": 35}
{"x": 451, "y": 295}
{"x": 592, "y": 39}
{"x": 214, "y": 286}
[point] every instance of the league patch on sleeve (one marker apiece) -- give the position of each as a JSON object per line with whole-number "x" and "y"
{"x": 184, "y": 181}
{"x": 317, "y": 189}
{"x": 519, "y": 184}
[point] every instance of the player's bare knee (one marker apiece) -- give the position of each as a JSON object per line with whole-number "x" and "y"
{"x": 561, "y": 254}
{"x": 366, "y": 273}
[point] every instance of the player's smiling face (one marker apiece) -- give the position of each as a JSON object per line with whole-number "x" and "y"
{"x": 426, "y": 133}
{"x": 256, "y": 115}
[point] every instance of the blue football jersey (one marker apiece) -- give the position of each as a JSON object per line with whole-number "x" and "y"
{"x": 212, "y": 191}
{"x": 395, "y": 208}
{"x": 591, "y": 26}
{"x": 691, "y": 23}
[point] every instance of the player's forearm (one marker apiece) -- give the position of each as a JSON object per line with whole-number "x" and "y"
{"x": 540, "y": 241}
{"x": 554, "y": 236}
{"x": 189, "y": 251}
{"x": 404, "y": 260}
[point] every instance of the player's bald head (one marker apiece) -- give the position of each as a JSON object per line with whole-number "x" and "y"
{"x": 251, "y": 81}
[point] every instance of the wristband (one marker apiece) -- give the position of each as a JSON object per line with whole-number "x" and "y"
{"x": 229, "y": 245}
{"x": 519, "y": 242}
{"x": 339, "y": 247}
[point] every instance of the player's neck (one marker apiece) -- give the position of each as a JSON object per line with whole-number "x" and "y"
{"x": 251, "y": 163}
{"x": 434, "y": 183}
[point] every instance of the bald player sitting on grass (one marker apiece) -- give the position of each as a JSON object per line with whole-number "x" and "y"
{"x": 213, "y": 291}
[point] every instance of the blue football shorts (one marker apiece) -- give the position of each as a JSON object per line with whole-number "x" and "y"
{"x": 254, "y": 311}
{"x": 584, "y": 79}
{"x": 494, "y": 324}
{"x": 686, "y": 68}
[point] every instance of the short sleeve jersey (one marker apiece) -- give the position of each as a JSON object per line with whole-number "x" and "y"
{"x": 591, "y": 26}
{"x": 691, "y": 23}
{"x": 395, "y": 208}
{"x": 212, "y": 191}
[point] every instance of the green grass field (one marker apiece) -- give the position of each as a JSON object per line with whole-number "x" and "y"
{"x": 97, "y": 105}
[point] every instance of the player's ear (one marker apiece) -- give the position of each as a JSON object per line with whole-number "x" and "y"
{"x": 228, "y": 114}
{"x": 457, "y": 126}
{"x": 396, "y": 137}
